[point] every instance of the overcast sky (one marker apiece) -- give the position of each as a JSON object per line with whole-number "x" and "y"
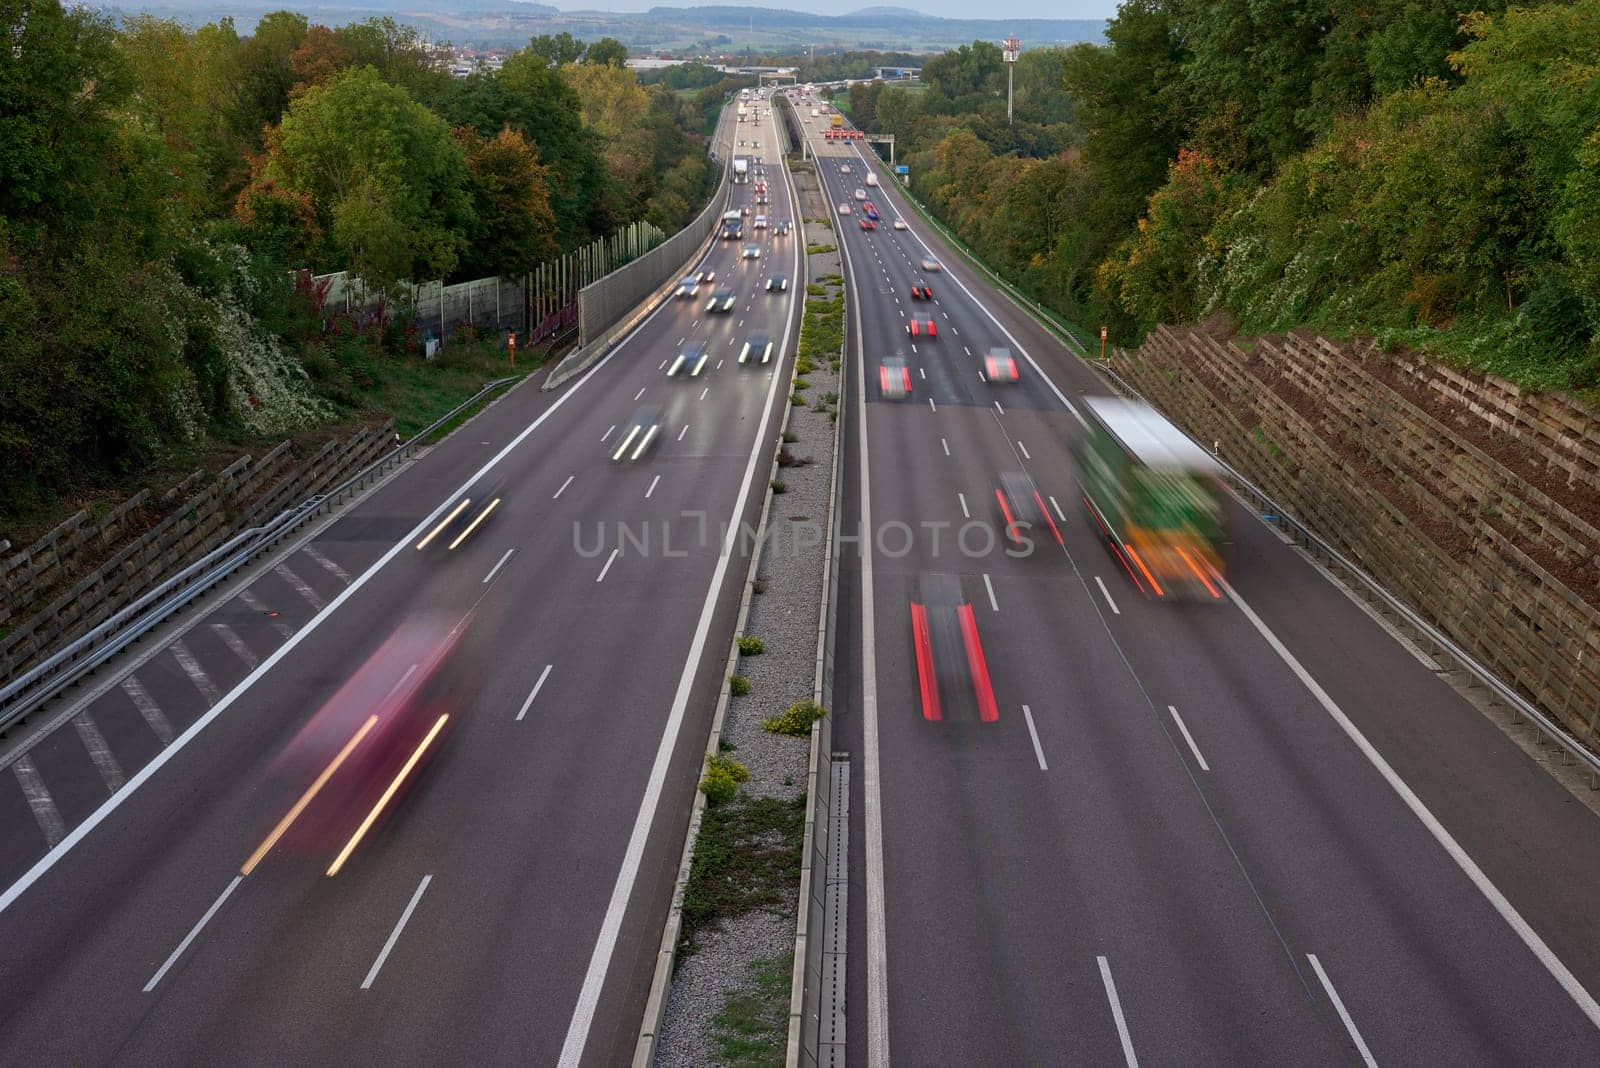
{"x": 950, "y": 9}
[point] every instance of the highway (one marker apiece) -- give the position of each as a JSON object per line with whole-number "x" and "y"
{"x": 414, "y": 792}
{"x": 1258, "y": 830}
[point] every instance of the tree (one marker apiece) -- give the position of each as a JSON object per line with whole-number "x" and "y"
{"x": 320, "y": 56}
{"x": 562, "y": 48}
{"x": 608, "y": 51}
{"x": 515, "y": 228}
{"x": 266, "y": 72}
{"x": 396, "y": 52}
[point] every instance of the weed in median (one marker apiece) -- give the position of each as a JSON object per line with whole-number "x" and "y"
{"x": 738, "y": 685}
{"x": 752, "y": 1030}
{"x": 722, "y": 778}
{"x": 795, "y": 721}
{"x": 804, "y": 366}
{"x": 746, "y": 857}
{"x": 779, "y": 486}
{"x": 750, "y": 645}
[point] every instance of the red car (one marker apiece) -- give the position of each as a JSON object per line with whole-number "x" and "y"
{"x": 894, "y": 379}
{"x": 922, "y": 328}
{"x": 921, "y": 293}
{"x": 868, "y": 224}
{"x": 1000, "y": 366}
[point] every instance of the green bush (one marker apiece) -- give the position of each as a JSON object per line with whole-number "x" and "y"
{"x": 780, "y": 486}
{"x": 802, "y": 383}
{"x": 750, "y": 645}
{"x": 796, "y": 720}
{"x": 804, "y": 366}
{"x": 790, "y": 437}
{"x": 738, "y": 685}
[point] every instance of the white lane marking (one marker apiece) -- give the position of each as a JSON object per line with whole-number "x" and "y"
{"x": 193, "y": 931}
{"x": 1024, "y": 449}
{"x": 966, "y": 350}
{"x": 703, "y": 392}
{"x": 1057, "y": 507}
{"x": 684, "y": 431}
{"x": 394, "y": 935}
{"x": 1038, "y": 750}
{"x": 256, "y": 604}
{"x": 328, "y": 565}
{"x": 981, "y": 378}
{"x": 98, "y": 816}
{"x": 1116, "y": 1013}
{"x": 932, "y": 405}
{"x": 495, "y": 570}
{"x": 1114, "y": 609}
{"x": 99, "y": 751}
{"x": 663, "y": 367}
{"x": 609, "y": 561}
{"x": 40, "y": 801}
{"x": 600, "y": 961}
{"x": 1568, "y": 982}
{"x": 652, "y": 488}
{"x": 1344, "y": 1014}
{"x": 987, "y": 585}
{"x": 923, "y": 371}
{"x": 962, "y": 497}
{"x": 191, "y": 667}
{"x": 1195, "y": 749}
{"x": 639, "y": 394}
{"x": 545, "y": 674}
{"x": 719, "y": 367}
{"x": 999, "y": 409}
{"x": 301, "y": 587}
{"x": 946, "y": 445}
{"x": 148, "y": 708}
{"x": 613, "y": 428}
{"x": 236, "y": 644}
{"x": 565, "y": 484}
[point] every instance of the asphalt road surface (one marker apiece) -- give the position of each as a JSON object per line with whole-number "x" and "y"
{"x": 1253, "y": 831}
{"x": 219, "y": 859}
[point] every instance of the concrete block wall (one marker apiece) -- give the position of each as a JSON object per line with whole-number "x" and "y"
{"x": 1442, "y": 525}
{"x": 64, "y": 584}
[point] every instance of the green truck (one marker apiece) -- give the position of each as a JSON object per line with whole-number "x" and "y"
{"x": 1156, "y": 497}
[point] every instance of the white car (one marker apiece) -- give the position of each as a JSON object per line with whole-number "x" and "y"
{"x": 761, "y": 222}
{"x": 722, "y": 300}
{"x": 757, "y": 348}
{"x": 691, "y": 361}
{"x": 844, "y": 209}
{"x": 750, "y": 252}
{"x": 861, "y": 194}
{"x": 931, "y": 264}
{"x": 844, "y": 168}
{"x": 899, "y": 224}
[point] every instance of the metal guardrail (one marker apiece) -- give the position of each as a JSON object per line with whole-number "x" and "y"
{"x": 26, "y": 693}
{"x": 1270, "y": 511}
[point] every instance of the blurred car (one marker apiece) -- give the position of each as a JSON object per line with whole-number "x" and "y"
{"x": 871, "y": 209}
{"x": 757, "y": 348}
{"x": 1000, "y": 366}
{"x": 899, "y": 224}
{"x": 761, "y": 222}
{"x": 921, "y": 293}
{"x": 1022, "y": 508}
{"x": 861, "y": 194}
{"x": 705, "y": 276}
{"x": 844, "y": 209}
{"x": 778, "y": 283}
{"x": 931, "y": 264}
{"x": 687, "y": 286}
{"x": 690, "y": 361}
{"x": 762, "y": 198}
{"x": 637, "y": 434}
{"x": 750, "y": 252}
{"x": 783, "y": 228}
{"x": 844, "y": 168}
{"x": 952, "y": 673}
{"x": 868, "y": 224}
{"x": 458, "y": 523}
{"x": 922, "y": 328}
{"x": 894, "y": 378}
{"x": 722, "y": 300}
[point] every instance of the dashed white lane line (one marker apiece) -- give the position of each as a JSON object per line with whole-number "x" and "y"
{"x": 663, "y": 367}
{"x": 932, "y": 405}
{"x": 966, "y": 350}
{"x": 1116, "y": 1013}
{"x": 1195, "y": 749}
{"x": 1057, "y": 507}
{"x": 719, "y": 365}
{"x": 495, "y": 570}
{"x": 999, "y": 409}
{"x": 193, "y": 931}
{"x": 1038, "y": 750}
{"x": 545, "y": 674}
{"x": 981, "y": 378}
{"x": 565, "y": 484}
{"x": 989, "y": 586}
{"x": 962, "y": 497}
{"x": 639, "y": 394}
{"x": 99, "y": 751}
{"x": 148, "y": 708}
{"x": 1024, "y": 449}
{"x": 301, "y": 587}
{"x": 608, "y": 433}
{"x": 394, "y": 935}
{"x": 231, "y": 639}
{"x": 703, "y": 392}
{"x": 1344, "y": 1014}
{"x": 946, "y": 445}
{"x": 652, "y": 488}
{"x": 326, "y": 564}
{"x": 39, "y": 800}
{"x": 197, "y": 675}
{"x": 1114, "y": 609}
{"x": 684, "y": 431}
{"x": 609, "y": 560}
{"x": 256, "y": 604}
{"x": 923, "y": 371}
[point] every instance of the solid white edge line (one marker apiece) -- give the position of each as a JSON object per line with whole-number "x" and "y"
{"x": 545, "y": 674}
{"x": 1114, "y": 609}
{"x": 193, "y": 931}
{"x": 1116, "y": 1013}
{"x": 394, "y": 935}
{"x": 609, "y": 561}
{"x": 605, "y": 943}
{"x": 1038, "y": 750}
{"x": 1195, "y": 749}
{"x": 496, "y": 568}
{"x": 112, "y": 803}
{"x": 1344, "y": 1014}
{"x": 1558, "y": 971}
{"x": 987, "y": 585}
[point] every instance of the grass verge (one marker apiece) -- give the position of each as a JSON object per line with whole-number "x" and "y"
{"x": 747, "y": 857}
{"x": 752, "y": 1030}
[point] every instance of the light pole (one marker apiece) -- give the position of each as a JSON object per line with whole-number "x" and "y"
{"x": 1010, "y": 49}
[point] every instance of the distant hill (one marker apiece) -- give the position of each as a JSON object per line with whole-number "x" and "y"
{"x": 508, "y": 23}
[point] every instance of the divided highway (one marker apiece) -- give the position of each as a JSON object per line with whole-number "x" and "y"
{"x": 415, "y": 792}
{"x": 1258, "y": 830}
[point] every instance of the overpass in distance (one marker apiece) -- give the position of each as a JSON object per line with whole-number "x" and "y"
{"x": 1254, "y": 831}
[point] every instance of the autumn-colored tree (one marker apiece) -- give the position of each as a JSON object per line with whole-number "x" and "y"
{"x": 320, "y": 56}
{"x": 515, "y": 227}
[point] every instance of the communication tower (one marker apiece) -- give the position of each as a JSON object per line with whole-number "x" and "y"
{"x": 1010, "y": 49}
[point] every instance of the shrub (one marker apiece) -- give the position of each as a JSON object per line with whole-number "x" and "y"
{"x": 738, "y": 685}
{"x": 796, "y": 720}
{"x": 780, "y": 486}
{"x": 790, "y": 437}
{"x": 750, "y": 645}
{"x": 804, "y": 366}
{"x": 802, "y": 383}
